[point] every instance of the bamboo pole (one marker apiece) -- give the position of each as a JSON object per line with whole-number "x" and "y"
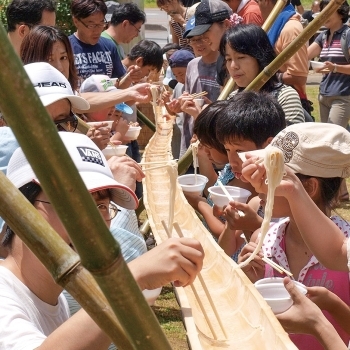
{"x": 146, "y": 121}
{"x": 37, "y": 135}
{"x": 294, "y": 46}
{"x": 82, "y": 126}
{"x": 185, "y": 161}
{"x": 59, "y": 259}
{"x": 279, "y": 6}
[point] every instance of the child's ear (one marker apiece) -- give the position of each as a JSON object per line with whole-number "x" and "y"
{"x": 267, "y": 142}
{"x": 139, "y": 61}
{"x": 312, "y": 187}
{"x": 23, "y": 30}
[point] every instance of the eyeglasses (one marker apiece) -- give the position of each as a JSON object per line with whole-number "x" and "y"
{"x": 108, "y": 212}
{"x": 93, "y": 26}
{"x": 67, "y": 124}
{"x": 138, "y": 30}
{"x": 198, "y": 41}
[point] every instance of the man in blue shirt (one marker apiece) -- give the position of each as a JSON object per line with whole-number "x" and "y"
{"x": 92, "y": 53}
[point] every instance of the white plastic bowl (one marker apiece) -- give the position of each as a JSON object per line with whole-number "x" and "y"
{"x": 219, "y": 198}
{"x": 151, "y": 295}
{"x": 188, "y": 183}
{"x": 94, "y": 124}
{"x": 199, "y": 102}
{"x": 316, "y": 65}
{"x": 276, "y": 280}
{"x": 276, "y": 295}
{"x": 133, "y": 132}
{"x": 111, "y": 151}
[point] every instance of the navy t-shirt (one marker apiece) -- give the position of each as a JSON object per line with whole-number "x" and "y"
{"x": 101, "y": 58}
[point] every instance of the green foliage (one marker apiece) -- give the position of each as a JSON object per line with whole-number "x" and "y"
{"x": 3, "y": 5}
{"x": 150, "y": 4}
{"x": 63, "y": 17}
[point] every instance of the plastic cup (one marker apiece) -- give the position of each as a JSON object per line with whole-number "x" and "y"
{"x": 276, "y": 295}
{"x": 220, "y": 199}
{"x": 189, "y": 184}
{"x": 111, "y": 151}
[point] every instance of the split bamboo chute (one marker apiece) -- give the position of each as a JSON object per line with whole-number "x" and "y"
{"x": 222, "y": 308}
{"x": 37, "y": 135}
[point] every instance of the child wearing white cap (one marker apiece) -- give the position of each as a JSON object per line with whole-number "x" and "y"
{"x": 102, "y": 83}
{"x": 33, "y": 311}
{"x": 317, "y": 157}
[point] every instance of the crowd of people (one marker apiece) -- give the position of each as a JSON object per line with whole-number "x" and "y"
{"x": 96, "y": 80}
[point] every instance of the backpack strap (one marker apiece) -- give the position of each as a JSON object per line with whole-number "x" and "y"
{"x": 324, "y": 37}
{"x": 344, "y": 45}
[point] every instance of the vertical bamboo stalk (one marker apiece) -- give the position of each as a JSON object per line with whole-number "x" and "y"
{"x": 98, "y": 250}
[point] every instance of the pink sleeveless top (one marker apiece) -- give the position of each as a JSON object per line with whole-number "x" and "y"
{"x": 313, "y": 274}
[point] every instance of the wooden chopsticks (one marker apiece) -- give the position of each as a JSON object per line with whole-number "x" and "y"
{"x": 199, "y": 94}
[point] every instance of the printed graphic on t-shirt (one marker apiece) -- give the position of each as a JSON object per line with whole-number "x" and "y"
{"x": 89, "y": 63}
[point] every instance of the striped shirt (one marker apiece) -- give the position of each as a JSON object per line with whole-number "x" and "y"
{"x": 334, "y": 84}
{"x": 289, "y": 100}
{"x": 179, "y": 31}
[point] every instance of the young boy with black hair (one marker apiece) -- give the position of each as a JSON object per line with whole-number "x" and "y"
{"x": 147, "y": 56}
{"x": 247, "y": 122}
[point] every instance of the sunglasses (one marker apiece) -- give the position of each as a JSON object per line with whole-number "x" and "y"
{"x": 68, "y": 124}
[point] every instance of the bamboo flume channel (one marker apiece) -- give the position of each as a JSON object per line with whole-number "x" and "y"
{"x": 234, "y": 316}
{"x": 99, "y": 253}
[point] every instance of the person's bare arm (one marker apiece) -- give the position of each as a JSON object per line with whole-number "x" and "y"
{"x": 290, "y": 79}
{"x": 328, "y": 301}
{"x": 100, "y": 100}
{"x": 230, "y": 240}
{"x": 300, "y": 9}
{"x": 313, "y": 50}
{"x": 321, "y": 234}
{"x": 177, "y": 260}
{"x": 305, "y": 317}
{"x": 79, "y": 332}
{"x": 126, "y": 171}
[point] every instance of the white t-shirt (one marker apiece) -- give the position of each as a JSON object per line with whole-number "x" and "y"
{"x": 25, "y": 320}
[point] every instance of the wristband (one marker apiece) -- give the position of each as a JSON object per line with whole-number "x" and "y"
{"x": 335, "y": 68}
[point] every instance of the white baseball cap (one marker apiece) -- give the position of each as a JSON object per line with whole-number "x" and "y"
{"x": 103, "y": 83}
{"x": 52, "y": 86}
{"x": 90, "y": 162}
{"x": 98, "y": 83}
